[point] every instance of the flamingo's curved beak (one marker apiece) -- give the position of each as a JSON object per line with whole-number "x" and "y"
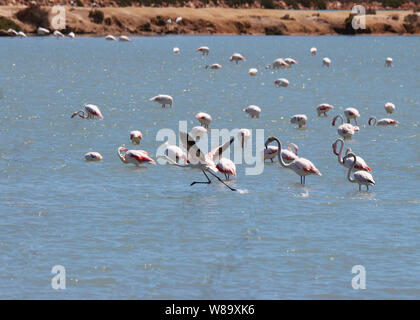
{"x": 74, "y": 114}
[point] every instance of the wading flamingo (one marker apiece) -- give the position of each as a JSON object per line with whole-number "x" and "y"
{"x": 290, "y": 61}
{"x": 175, "y": 153}
{"x": 175, "y": 50}
{"x": 301, "y": 166}
{"x": 110, "y": 38}
{"x": 360, "y": 163}
{"x": 204, "y": 50}
{"x": 281, "y": 82}
{"x": 389, "y": 107}
{"x": 93, "y": 156}
{"x": 198, "y": 132}
{"x": 278, "y": 64}
{"x": 323, "y": 109}
{"x": 288, "y": 155}
{"x": 214, "y": 66}
{"x": 58, "y": 34}
{"x": 360, "y": 177}
{"x": 388, "y": 62}
{"x": 163, "y": 99}
{"x": 345, "y": 130}
{"x": 71, "y": 35}
{"x": 136, "y": 136}
{"x": 136, "y": 157}
{"x": 244, "y": 135}
{"x": 253, "y": 111}
{"x": 382, "y": 122}
{"x": 351, "y": 113}
{"x": 42, "y": 31}
{"x": 326, "y": 62}
{"x": 12, "y": 32}
{"x": 21, "y": 34}
{"x": 227, "y": 167}
{"x": 204, "y": 119}
{"x": 313, "y": 51}
{"x": 299, "y": 119}
{"x": 124, "y": 39}
{"x": 91, "y": 112}
{"x": 253, "y": 72}
{"x": 198, "y": 160}
{"x": 237, "y": 57}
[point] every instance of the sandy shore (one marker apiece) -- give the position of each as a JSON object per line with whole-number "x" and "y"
{"x": 152, "y": 21}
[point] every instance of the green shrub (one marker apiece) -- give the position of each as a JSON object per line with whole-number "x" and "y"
{"x": 97, "y": 16}
{"x": 34, "y": 15}
{"x": 267, "y": 4}
{"x": 6, "y": 24}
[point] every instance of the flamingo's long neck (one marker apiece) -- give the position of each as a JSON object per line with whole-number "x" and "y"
{"x": 279, "y": 153}
{"x": 294, "y": 147}
{"x": 370, "y": 120}
{"x": 122, "y": 157}
{"x": 340, "y": 153}
{"x": 351, "y": 168}
{"x": 339, "y": 117}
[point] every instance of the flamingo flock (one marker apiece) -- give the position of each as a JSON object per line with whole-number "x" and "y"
{"x": 213, "y": 162}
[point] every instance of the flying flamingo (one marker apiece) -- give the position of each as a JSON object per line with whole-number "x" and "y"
{"x": 389, "y": 107}
{"x": 253, "y": 111}
{"x": 91, "y": 112}
{"x": 360, "y": 177}
{"x": 227, "y": 167}
{"x": 237, "y": 57}
{"x": 299, "y": 119}
{"x": 382, "y": 122}
{"x": 136, "y": 136}
{"x": 288, "y": 155}
{"x": 134, "y": 156}
{"x": 300, "y": 166}
{"x": 326, "y": 62}
{"x": 360, "y": 163}
{"x": 93, "y": 156}
{"x": 204, "y": 119}
{"x": 388, "y": 62}
{"x": 281, "y": 82}
{"x": 323, "y": 109}
{"x": 163, "y": 99}
{"x": 345, "y": 130}
{"x": 214, "y": 66}
{"x": 204, "y": 50}
{"x": 313, "y": 51}
{"x": 198, "y": 160}
{"x": 351, "y": 113}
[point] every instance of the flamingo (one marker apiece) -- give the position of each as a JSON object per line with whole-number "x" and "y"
{"x": 351, "y": 113}
{"x": 244, "y": 135}
{"x": 178, "y": 19}
{"x": 345, "y": 130}
{"x": 326, "y": 62}
{"x": 227, "y": 167}
{"x": 42, "y": 31}
{"x": 290, "y": 61}
{"x": 198, "y": 132}
{"x": 360, "y": 163}
{"x": 279, "y": 63}
{"x": 124, "y": 39}
{"x": 175, "y": 153}
{"x": 71, "y": 35}
{"x": 214, "y": 66}
{"x": 91, "y": 112}
{"x": 204, "y": 119}
{"x": 134, "y": 156}
{"x": 388, "y": 62}
{"x": 288, "y": 155}
{"x": 236, "y": 57}
{"x": 281, "y": 82}
{"x": 204, "y": 50}
{"x": 382, "y": 122}
{"x": 93, "y": 156}
{"x": 163, "y": 99}
{"x": 299, "y": 119}
{"x": 389, "y": 107}
{"x": 175, "y": 50}
{"x": 360, "y": 177}
{"x": 301, "y": 166}
{"x": 12, "y": 32}
{"x": 199, "y": 160}
{"x": 253, "y": 72}
{"x": 313, "y": 51}
{"x": 253, "y": 111}
{"x": 136, "y": 136}
{"x": 21, "y": 34}
{"x": 323, "y": 109}
{"x": 110, "y": 38}
{"x": 58, "y": 34}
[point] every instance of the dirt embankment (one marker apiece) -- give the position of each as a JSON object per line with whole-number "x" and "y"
{"x": 154, "y": 21}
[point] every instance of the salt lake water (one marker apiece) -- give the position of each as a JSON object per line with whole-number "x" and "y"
{"x": 123, "y": 232}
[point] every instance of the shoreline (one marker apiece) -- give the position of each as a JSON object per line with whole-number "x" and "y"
{"x": 147, "y": 21}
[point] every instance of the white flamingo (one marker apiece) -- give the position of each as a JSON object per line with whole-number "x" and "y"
{"x": 299, "y": 119}
{"x": 345, "y": 130}
{"x": 204, "y": 50}
{"x": 290, "y": 61}
{"x": 382, "y": 122}
{"x": 214, "y": 66}
{"x": 301, "y": 166}
{"x": 278, "y": 64}
{"x": 351, "y": 113}
{"x": 253, "y": 111}
{"x": 42, "y": 31}
{"x": 124, "y": 39}
{"x": 244, "y": 135}
{"x": 204, "y": 119}
{"x": 12, "y": 32}
{"x": 236, "y": 57}
{"x": 91, "y": 112}
{"x": 93, "y": 156}
{"x": 389, "y": 107}
{"x": 326, "y": 62}
{"x": 360, "y": 177}
{"x": 58, "y": 34}
{"x": 281, "y": 82}
{"x": 21, "y": 34}
{"x": 360, "y": 163}
{"x": 163, "y": 99}
{"x": 198, "y": 132}
{"x": 290, "y": 154}
{"x": 323, "y": 109}
{"x": 136, "y": 136}
{"x": 175, "y": 50}
{"x": 388, "y": 62}
{"x": 110, "y": 38}
{"x": 72, "y": 35}
{"x": 313, "y": 51}
{"x": 227, "y": 167}
{"x": 175, "y": 153}
{"x": 253, "y": 72}
{"x": 136, "y": 157}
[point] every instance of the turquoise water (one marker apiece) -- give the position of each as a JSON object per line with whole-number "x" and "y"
{"x": 144, "y": 233}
